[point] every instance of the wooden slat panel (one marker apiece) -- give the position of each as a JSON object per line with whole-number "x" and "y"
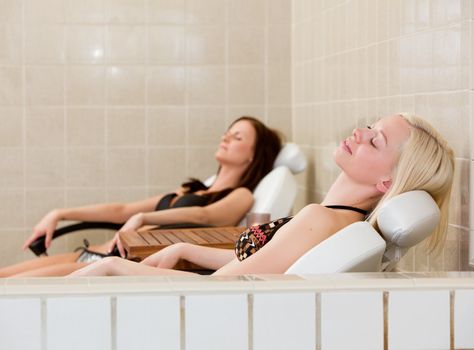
{"x": 185, "y": 238}
{"x": 147, "y": 236}
{"x": 160, "y": 238}
{"x": 194, "y": 237}
{"x": 172, "y": 237}
{"x": 205, "y": 235}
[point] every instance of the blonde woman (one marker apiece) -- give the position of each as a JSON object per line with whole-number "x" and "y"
{"x": 397, "y": 154}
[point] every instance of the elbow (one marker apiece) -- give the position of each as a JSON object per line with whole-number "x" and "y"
{"x": 203, "y": 216}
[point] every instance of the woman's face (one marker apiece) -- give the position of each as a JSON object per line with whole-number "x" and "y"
{"x": 237, "y": 144}
{"x": 370, "y": 154}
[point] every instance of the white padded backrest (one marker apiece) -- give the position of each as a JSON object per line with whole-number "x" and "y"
{"x": 408, "y": 218}
{"x": 275, "y": 194}
{"x": 291, "y": 156}
{"x": 355, "y": 248}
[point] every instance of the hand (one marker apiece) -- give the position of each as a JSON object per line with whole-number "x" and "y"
{"x": 168, "y": 257}
{"x": 45, "y": 227}
{"x": 132, "y": 224}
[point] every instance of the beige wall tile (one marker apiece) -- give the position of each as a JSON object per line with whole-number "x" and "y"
{"x": 279, "y": 11}
{"x": 85, "y": 85}
{"x": 166, "y": 44}
{"x": 45, "y": 167}
{"x": 246, "y": 11}
{"x": 235, "y": 112}
{"x": 166, "y": 85}
{"x": 85, "y": 167}
{"x": 459, "y": 206}
{"x": 279, "y": 44}
{"x": 206, "y": 126}
{"x": 206, "y": 85}
{"x": 85, "y": 11}
{"x": 166, "y": 126}
{"x": 125, "y": 167}
{"x": 124, "y": 195}
{"x": 126, "y": 44}
{"x": 44, "y": 127}
{"x": 205, "y": 44}
{"x": 85, "y": 127}
{"x": 246, "y": 85}
{"x": 278, "y": 84}
{"x": 280, "y": 119}
{"x": 11, "y": 248}
{"x": 10, "y": 43}
{"x": 78, "y": 197}
{"x": 166, "y": 166}
{"x": 202, "y": 163}
{"x": 125, "y": 11}
{"x": 126, "y": 85}
{"x": 126, "y": 127}
{"x": 44, "y": 43}
{"x": 167, "y": 11}
{"x": 11, "y": 132}
{"x": 10, "y": 11}
{"x": 85, "y": 44}
{"x": 40, "y": 202}
{"x": 44, "y": 85}
{"x": 11, "y": 87}
{"x": 12, "y": 215}
{"x": 246, "y": 44}
{"x": 47, "y": 11}
{"x": 206, "y": 12}
{"x": 11, "y": 168}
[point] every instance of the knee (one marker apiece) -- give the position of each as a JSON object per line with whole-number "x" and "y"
{"x": 111, "y": 261}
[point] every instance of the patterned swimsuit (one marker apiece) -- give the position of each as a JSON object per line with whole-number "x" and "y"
{"x": 255, "y": 237}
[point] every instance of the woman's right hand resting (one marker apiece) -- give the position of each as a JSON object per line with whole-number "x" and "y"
{"x": 45, "y": 227}
{"x": 168, "y": 257}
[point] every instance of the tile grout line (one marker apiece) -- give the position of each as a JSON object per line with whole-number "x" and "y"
{"x": 182, "y": 322}
{"x": 250, "y": 320}
{"x": 318, "y": 331}
{"x": 113, "y": 323}
{"x": 44, "y": 323}
{"x": 452, "y": 299}
{"x": 385, "y": 319}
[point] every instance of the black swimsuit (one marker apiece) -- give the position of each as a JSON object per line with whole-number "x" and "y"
{"x": 255, "y": 237}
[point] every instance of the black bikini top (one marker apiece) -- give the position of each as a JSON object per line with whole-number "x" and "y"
{"x": 255, "y": 237}
{"x": 186, "y": 200}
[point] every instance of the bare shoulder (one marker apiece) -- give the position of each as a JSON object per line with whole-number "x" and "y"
{"x": 316, "y": 213}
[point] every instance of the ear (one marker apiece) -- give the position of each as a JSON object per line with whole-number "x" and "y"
{"x": 383, "y": 185}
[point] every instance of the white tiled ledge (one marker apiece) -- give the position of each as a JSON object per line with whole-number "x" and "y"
{"x": 248, "y": 283}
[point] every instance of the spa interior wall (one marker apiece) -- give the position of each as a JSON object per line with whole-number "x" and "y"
{"x": 116, "y": 100}
{"x": 356, "y": 60}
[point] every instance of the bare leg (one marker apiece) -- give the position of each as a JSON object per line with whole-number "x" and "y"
{"x": 53, "y": 270}
{"x": 114, "y": 266}
{"x": 38, "y": 263}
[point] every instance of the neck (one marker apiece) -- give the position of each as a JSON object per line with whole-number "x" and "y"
{"x": 345, "y": 191}
{"x": 228, "y": 177}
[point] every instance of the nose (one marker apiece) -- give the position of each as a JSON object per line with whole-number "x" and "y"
{"x": 225, "y": 136}
{"x": 361, "y": 135}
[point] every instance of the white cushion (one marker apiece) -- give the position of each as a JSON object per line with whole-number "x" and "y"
{"x": 291, "y": 156}
{"x": 275, "y": 194}
{"x": 355, "y": 248}
{"x": 408, "y": 218}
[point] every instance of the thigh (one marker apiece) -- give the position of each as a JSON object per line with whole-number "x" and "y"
{"x": 38, "y": 263}
{"x": 54, "y": 270}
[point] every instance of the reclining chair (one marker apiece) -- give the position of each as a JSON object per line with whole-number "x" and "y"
{"x": 275, "y": 194}
{"x": 404, "y": 221}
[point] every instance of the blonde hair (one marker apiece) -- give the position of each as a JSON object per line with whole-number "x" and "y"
{"x": 426, "y": 162}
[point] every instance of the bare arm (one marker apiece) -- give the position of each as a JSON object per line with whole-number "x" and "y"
{"x": 207, "y": 257}
{"x": 112, "y": 212}
{"x": 310, "y": 226}
{"x": 226, "y": 211}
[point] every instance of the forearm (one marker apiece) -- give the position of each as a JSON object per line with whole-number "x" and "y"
{"x": 112, "y": 212}
{"x": 207, "y": 257}
{"x": 192, "y": 215}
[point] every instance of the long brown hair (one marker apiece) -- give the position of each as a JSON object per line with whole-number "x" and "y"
{"x": 266, "y": 148}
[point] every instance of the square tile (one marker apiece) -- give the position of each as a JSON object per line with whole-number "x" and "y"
{"x": 284, "y": 321}
{"x": 78, "y": 323}
{"x": 418, "y": 320}
{"x": 464, "y": 319}
{"x": 216, "y": 322}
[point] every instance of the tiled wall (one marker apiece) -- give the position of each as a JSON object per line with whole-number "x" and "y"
{"x": 356, "y": 60}
{"x": 116, "y": 100}
{"x": 391, "y": 311}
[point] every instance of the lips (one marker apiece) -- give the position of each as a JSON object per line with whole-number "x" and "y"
{"x": 345, "y": 146}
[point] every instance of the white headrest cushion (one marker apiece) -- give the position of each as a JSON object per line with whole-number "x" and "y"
{"x": 408, "y": 218}
{"x": 291, "y": 156}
